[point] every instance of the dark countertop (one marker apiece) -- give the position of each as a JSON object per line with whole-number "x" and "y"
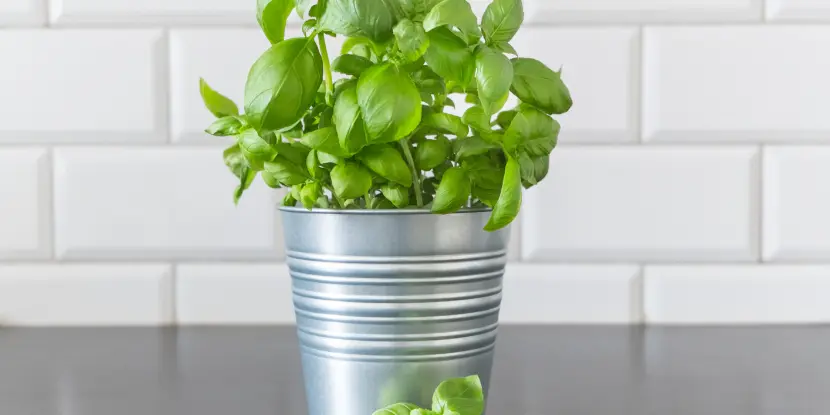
{"x": 539, "y": 371}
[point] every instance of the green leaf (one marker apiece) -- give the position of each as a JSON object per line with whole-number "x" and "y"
{"x": 460, "y": 396}
{"x": 325, "y": 140}
{"x": 310, "y": 193}
{"x": 454, "y": 13}
{"x": 446, "y": 124}
{"x": 485, "y": 171}
{"x": 341, "y": 85}
{"x": 326, "y": 158}
{"x": 313, "y": 165}
{"x": 487, "y": 196}
{"x": 431, "y": 153}
{"x": 504, "y": 118}
{"x": 272, "y": 16}
{"x": 387, "y": 162}
{"x": 244, "y": 183}
{"x": 389, "y": 102}
{"x": 452, "y": 194}
{"x": 218, "y": 104}
{"x": 494, "y": 74}
{"x": 449, "y": 102}
{"x": 348, "y": 121}
{"x": 472, "y": 146}
{"x": 235, "y": 160}
{"x": 289, "y": 200}
{"x": 369, "y": 18}
{"x": 504, "y": 47}
{"x": 351, "y": 64}
{"x": 449, "y": 56}
{"x": 537, "y": 85}
{"x": 533, "y": 169}
{"x": 350, "y": 180}
{"x": 414, "y": 8}
{"x": 510, "y": 198}
{"x": 380, "y": 202}
{"x": 283, "y": 84}
{"x": 225, "y": 126}
{"x": 397, "y": 194}
{"x": 502, "y": 20}
{"x": 270, "y": 180}
{"x": 531, "y": 131}
{"x": 309, "y": 26}
{"x": 362, "y": 46}
{"x": 412, "y": 39}
{"x": 303, "y": 7}
{"x": 294, "y": 152}
{"x": 396, "y": 409}
{"x": 420, "y": 411}
{"x": 255, "y": 149}
{"x": 477, "y": 119}
{"x": 286, "y": 172}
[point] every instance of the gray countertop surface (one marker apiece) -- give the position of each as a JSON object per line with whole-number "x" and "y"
{"x": 538, "y": 371}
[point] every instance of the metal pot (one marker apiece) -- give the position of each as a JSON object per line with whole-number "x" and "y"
{"x": 389, "y": 303}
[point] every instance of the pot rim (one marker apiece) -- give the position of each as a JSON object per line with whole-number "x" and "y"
{"x": 296, "y": 209}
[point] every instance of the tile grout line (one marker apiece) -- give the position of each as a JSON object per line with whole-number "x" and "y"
{"x": 759, "y": 199}
{"x": 51, "y": 206}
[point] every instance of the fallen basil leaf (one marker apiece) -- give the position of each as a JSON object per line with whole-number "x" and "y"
{"x": 350, "y": 180}
{"x": 283, "y": 84}
{"x": 218, "y": 104}
{"x": 462, "y": 396}
{"x": 396, "y": 409}
{"x": 453, "y": 192}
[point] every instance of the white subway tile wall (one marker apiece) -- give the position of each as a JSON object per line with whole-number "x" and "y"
{"x": 688, "y": 187}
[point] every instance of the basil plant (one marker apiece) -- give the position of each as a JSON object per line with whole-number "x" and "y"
{"x": 459, "y": 396}
{"x": 382, "y": 136}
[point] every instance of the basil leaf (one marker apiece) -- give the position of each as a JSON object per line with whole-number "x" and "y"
{"x": 289, "y": 200}
{"x": 389, "y": 102}
{"x": 420, "y": 411}
{"x": 485, "y": 172}
{"x": 532, "y": 131}
{"x": 477, "y": 119}
{"x": 412, "y": 39}
{"x": 487, "y": 196}
{"x": 351, "y": 64}
{"x": 310, "y": 193}
{"x": 504, "y": 47}
{"x": 510, "y": 198}
{"x": 537, "y": 85}
{"x": 414, "y": 8}
{"x": 362, "y": 46}
{"x": 272, "y": 16}
{"x": 350, "y": 180}
{"x": 245, "y": 181}
{"x": 286, "y": 172}
{"x": 294, "y": 152}
{"x": 387, "y": 163}
{"x": 439, "y": 170}
{"x": 303, "y": 7}
{"x": 283, "y": 84}
{"x": 446, "y": 124}
{"x": 218, "y": 104}
{"x": 449, "y": 102}
{"x": 325, "y": 140}
{"x": 472, "y": 146}
{"x": 396, "y": 409}
{"x": 295, "y": 191}
{"x": 235, "y": 160}
{"x": 326, "y": 158}
{"x": 309, "y": 26}
{"x": 270, "y": 180}
{"x": 398, "y": 195}
{"x": 225, "y": 126}
{"x": 369, "y": 18}
{"x": 313, "y": 165}
{"x": 348, "y": 121}
{"x": 504, "y": 118}
{"x": 431, "y": 153}
{"x": 455, "y": 13}
{"x": 381, "y": 202}
{"x": 453, "y": 192}
{"x": 462, "y": 396}
{"x": 533, "y": 169}
{"x": 494, "y": 75}
{"x": 502, "y": 20}
{"x": 256, "y": 150}
{"x": 341, "y": 85}
{"x": 449, "y": 56}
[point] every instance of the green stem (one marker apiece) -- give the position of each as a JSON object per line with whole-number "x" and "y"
{"x": 334, "y": 196}
{"x": 326, "y": 67}
{"x": 416, "y": 177}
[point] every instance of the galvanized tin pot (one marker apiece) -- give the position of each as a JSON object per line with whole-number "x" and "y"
{"x": 390, "y": 303}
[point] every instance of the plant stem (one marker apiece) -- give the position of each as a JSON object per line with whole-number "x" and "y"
{"x": 416, "y": 177}
{"x": 334, "y": 196}
{"x": 326, "y": 67}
